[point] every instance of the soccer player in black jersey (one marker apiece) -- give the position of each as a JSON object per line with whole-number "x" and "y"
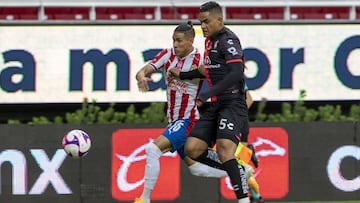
{"x": 225, "y": 120}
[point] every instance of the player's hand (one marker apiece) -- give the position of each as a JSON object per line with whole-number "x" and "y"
{"x": 143, "y": 84}
{"x": 169, "y": 76}
{"x": 174, "y": 72}
{"x": 202, "y": 106}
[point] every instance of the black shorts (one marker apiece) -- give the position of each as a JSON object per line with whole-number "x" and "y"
{"x": 228, "y": 121}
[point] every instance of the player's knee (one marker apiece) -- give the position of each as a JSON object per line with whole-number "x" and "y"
{"x": 225, "y": 150}
{"x": 190, "y": 152}
{"x": 194, "y": 148}
{"x": 152, "y": 148}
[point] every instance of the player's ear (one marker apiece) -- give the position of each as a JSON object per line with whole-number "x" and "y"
{"x": 220, "y": 19}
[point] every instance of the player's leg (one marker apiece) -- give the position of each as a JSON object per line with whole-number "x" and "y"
{"x": 200, "y": 138}
{"x": 153, "y": 153}
{"x": 243, "y": 156}
{"x": 172, "y": 139}
{"x": 226, "y": 149}
{"x": 254, "y": 189}
{"x": 231, "y": 126}
{"x": 254, "y": 158}
{"x": 244, "y": 142}
{"x": 199, "y": 169}
{"x": 253, "y": 184}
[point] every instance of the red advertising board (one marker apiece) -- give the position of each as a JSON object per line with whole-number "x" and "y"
{"x": 271, "y": 145}
{"x": 128, "y": 164}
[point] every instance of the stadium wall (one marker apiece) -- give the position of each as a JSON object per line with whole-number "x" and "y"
{"x": 63, "y": 63}
{"x": 298, "y": 162}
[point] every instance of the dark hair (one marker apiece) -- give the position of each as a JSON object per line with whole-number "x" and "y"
{"x": 186, "y": 28}
{"x": 211, "y": 6}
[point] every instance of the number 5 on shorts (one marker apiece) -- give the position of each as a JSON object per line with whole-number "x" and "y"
{"x": 224, "y": 124}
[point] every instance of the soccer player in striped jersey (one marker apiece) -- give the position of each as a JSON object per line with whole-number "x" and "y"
{"x": 182, "y": 111}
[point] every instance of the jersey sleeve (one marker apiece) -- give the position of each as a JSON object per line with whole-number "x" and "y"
{"x": 161, "y": 59}
{"x": 232, "y": 51}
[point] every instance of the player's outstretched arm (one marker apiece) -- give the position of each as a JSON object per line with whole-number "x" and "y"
{"x": 142, "y": 79}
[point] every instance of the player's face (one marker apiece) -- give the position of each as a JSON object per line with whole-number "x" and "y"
{"x": 182, "y": 44}
{"x": 210, "y": 23}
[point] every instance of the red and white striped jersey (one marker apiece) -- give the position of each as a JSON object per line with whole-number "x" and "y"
{"x": 181, "y": 94}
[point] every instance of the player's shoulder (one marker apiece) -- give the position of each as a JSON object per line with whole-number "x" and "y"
{"x": 195, "y": 53}
{"x": 228, "y": 34}
{"x": 228, "y": 37}
{"x": 166, "y": 52}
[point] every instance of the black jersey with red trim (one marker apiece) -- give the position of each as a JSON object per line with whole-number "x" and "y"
{"x": 221, "y": 51}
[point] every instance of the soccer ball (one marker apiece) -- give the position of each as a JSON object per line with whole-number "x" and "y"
{"x": 76, "y": 143}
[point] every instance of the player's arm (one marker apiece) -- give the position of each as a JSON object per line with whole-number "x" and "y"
{"x": 249, "y": 99}
{"x": 142, "y": 77}
{"x": 235, "y": 75}
{"x": 233, "y": 55}
{"x": 195, "y": 73}
{"x": 158, "y": 62}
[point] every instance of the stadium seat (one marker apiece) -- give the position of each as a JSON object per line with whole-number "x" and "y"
{"x": 179, "y": 13}
{"x": 108, "y": 16}
{"x": 337, "y": 12}
{"x": 254, "y": 13}
{"x": 319, "y": 13}
{"x": 28, "y": 17}
{"x": 269, "y": 12}
{"x": 139, "y": 16}
{"x": 125, "y": 13}
{"x": 8, "y": 17}
{"x": 188, "y": 12}
{"x": 67, "y": 13}
{"x": 238, "y": 13}
{"x": 297, "y": 13}
{"x": 17, "y": 13}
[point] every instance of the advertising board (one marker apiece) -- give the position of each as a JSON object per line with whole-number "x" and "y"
{"x": 66, "y": 63}
{"x": 298, "y": 162}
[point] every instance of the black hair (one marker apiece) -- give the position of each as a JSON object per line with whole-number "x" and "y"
{"x": 211, "y": 6}
{"x": 186, "y": 28}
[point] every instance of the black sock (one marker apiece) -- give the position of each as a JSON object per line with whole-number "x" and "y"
{"x": 210, "y": 159}
{"x": 237, "y": 177}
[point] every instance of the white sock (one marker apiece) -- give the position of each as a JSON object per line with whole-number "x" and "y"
{"x": 199, "y": 169}
{"x": 152, "y": 170}
{"x": 244, "y": 200}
